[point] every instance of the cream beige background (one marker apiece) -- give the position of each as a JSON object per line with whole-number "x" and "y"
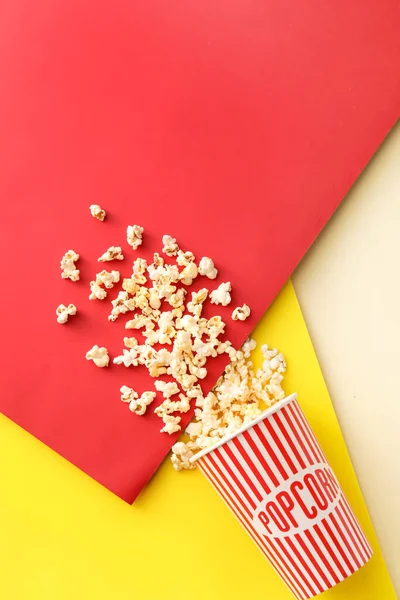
{"x": 348, "y": 286}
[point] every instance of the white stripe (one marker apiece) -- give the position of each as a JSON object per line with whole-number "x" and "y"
{"x": 294, "y": 563}
{"x": 284, "y": 441}
{"x": 334, "y": 550}
{"x": 229, "y": 499}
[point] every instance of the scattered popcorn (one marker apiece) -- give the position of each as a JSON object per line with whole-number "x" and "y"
{"x": 207, "y": 268}
{"x": 122, "y": 304}
{"x": 191, "y": 340}
{"x": 129, "y": 358}
{"x": 158, "y": 363}
{"x": 239, "y": 396}
{"x": 113, "y": 253}
{"x": 99, "y": 356}
{"x": 139, "y": 405}
{"x": 152, "y": 336}
{"x": 170, "y": 406}
{"x": 134, "y": 235}
{"x": 216, "y": 327}
{"x": 129, "y": 285}
{"x": 107, "y": 278}
{"x": 241, "y": 313}
{"x": 137, "y": 322}
{"x": 154, "y": 299}
{"x": 170, "y": 248}
{"x": 171, "y": 424}
{"x": 96, "y": 291}
{"x": 181, "y": 456}
{"x": 167, "y": 389}
{"x": 141, "y": 299}
{"x": 68, "y": 268}
{"x": 193, "y": 429}
{"x": 184, "y": 258}
{"x": 267, "y": 353}
{"x": 158, "y": 260}
{"x": 248, "y": 347}
{"x": 221, "y": 295}
{"x": 128, "y": 394}
{"x": 189, "y": 273}
{"x": 130, "y": 342}
{"x": 176, "y": 300}
{"x": 64, "y": 312}
{"x": 196, "y": 305}
{"x": 177, "y": 312}
{"x": 97, "y": 212}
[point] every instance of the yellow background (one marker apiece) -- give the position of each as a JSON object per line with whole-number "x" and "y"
{"x": 62, "y": 536}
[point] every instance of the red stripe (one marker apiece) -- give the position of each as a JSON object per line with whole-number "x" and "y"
{"x": 338, "y": 545}
{"x": 300, "y": 426}
{"x": 357, "y": 528}
{"x": 257, "y": 538}
{"x": 241, "y": 470}
{"x": 345, "y": 538}
{"x": 230, "y": 490}
{"x": 272, "y": 454}
{"x": 295, "y": 431}
{"x": 331, "y": 553}
{"x": 304, "y": 564}
{"x": 313, "y": 560}
{"x": 313, "y": 445}
{"x": 322, "y": 555}
{"x": 260, "y": 457}
{"x": 261, "y": 480}
{"x": 289, "y": 439}
{"x": 361, "y": 558}
{"x": 281, "y": 447}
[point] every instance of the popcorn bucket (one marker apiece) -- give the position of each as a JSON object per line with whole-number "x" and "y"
{"x": 276, "y": 480}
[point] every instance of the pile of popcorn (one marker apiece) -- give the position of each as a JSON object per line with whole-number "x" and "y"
{"x": 240, "y": 395}
{"x": 158, "y": 296}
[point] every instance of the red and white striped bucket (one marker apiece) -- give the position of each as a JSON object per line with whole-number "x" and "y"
{"x": 275, "y": 478}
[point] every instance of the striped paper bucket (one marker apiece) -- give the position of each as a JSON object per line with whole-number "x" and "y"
{"x": 275, "y": 478}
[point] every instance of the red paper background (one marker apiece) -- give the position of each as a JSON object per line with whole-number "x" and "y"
{"x": 236, "y": 126}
